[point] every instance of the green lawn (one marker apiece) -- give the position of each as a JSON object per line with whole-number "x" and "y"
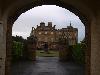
{"x": 41, "y": 53}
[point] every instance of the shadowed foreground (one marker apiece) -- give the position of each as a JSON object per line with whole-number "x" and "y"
{"x": 47, "y": 66}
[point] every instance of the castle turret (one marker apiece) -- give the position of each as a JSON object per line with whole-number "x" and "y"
{"x": 50, "y": 24}
{"x": 42, "y": 24}
{"x": 54, "y": 26}
{"x": 32, "y": 31}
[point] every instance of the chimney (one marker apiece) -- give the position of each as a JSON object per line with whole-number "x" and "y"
{"x": 50, "y": 24}
{"x": 42, "y": 24}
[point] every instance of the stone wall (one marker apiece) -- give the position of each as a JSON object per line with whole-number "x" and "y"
{"x": 2, "y": 49}
{"x": 8, "y": 49}
{"x": 95, "y": 45}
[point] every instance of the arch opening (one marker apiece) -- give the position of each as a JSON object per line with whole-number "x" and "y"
{"x": 66, "y": 21}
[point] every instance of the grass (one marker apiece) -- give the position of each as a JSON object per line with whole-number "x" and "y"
{"x": 41, "y": 53}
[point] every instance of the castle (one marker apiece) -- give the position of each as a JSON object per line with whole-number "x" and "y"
{"x": 50, "y": 34}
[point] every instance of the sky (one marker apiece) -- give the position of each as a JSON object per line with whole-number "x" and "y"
{"x": 59, "y": 16}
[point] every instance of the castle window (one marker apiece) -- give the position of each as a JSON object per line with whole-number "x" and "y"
{"x": 39, "y": 32}
{"x": 45, "y": 32}
{"x": 75, "y": 34}
{"x": 46, "y": 39}
{"x": 51, "y": 32}
{"x": 39, "y": 39}
{"x": 70, "y": 37}
{"x": 52, "y": 39}
{"x": 59, "y": 32}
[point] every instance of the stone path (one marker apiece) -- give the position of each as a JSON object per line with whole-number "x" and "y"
{"x": 47, "y": 66}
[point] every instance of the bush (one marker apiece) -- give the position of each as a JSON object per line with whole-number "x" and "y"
{"x": 78, "y": 53}
{"x": 17, "y": 50}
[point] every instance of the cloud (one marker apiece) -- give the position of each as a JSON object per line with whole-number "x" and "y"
{"x": 24, "y": 34}
{"x": 59, "y": 16}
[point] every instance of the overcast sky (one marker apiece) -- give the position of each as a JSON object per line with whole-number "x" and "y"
{"x": 59, "y": 16}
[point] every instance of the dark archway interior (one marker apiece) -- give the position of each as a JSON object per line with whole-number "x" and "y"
{"x": 13, "y": 17}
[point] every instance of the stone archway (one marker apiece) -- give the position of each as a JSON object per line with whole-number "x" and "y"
{"x": 13, "y": 14}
